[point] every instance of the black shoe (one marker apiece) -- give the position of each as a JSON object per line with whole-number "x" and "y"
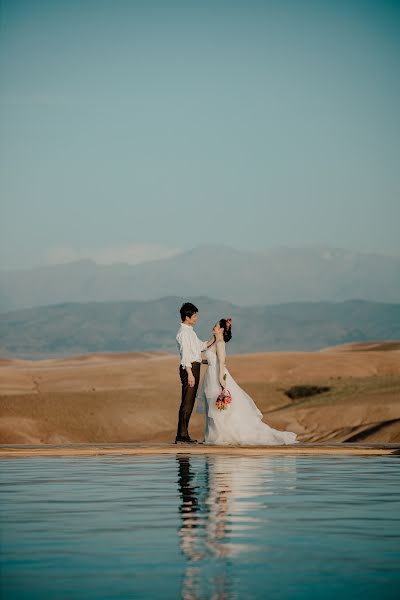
{"x": 191, "y": 441}
{"x": 184, "y": 440}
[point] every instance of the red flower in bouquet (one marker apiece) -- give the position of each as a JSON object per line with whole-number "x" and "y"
{"x": 224, "y": 399}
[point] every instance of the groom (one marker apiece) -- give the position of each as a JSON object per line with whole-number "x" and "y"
{"x": 190, "y": 348}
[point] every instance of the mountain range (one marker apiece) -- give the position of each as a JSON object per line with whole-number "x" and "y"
{"x": 73, "y": 328}
{"x": 280, "y": 275}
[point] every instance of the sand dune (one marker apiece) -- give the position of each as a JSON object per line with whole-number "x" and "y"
{"x": 134, "y": 397}
{"x": 366, "y": 346}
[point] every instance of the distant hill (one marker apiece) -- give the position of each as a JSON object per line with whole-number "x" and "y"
{"x": 72, "y": 328}
{"x": 281, "y": 275}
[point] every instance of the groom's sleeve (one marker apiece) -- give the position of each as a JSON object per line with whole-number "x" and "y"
{"x": 183, "y": 342}
{"x": 203, "y": 345}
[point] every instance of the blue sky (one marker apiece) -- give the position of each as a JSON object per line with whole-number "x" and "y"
{"x": 130, "y": 130}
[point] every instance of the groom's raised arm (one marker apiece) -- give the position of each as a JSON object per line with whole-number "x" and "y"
{"x": 203, "y": 345}
{"x": 207, "y": 344}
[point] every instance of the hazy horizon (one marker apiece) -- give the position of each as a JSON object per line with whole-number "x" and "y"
{"x": 114, "y": 256}
{"x": 134, "y": 130}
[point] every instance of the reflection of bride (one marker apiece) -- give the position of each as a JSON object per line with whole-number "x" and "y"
{"x": 241, "y": 422}
{"x": 235, "y": 501}
{"x": 215, "y": 519}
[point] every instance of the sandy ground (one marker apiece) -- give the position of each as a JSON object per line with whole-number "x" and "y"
{"x": 87, "y": 450}
{"x": 134, "y": 397}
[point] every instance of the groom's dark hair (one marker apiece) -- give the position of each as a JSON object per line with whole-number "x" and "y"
{"x": 187, "y": 310}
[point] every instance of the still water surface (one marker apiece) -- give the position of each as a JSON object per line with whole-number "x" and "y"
{"x": 200, "y": 527}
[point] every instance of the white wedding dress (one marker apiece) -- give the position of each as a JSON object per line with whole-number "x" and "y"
{"x": 241, "y": 422}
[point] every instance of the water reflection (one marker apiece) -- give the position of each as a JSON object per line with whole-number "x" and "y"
{"x": 222, "y": 503}
{"x": 270, "y": 527}
{"x": 189, "y": 509}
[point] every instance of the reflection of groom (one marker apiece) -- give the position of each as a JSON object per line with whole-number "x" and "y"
{"x": 190, "y": 348}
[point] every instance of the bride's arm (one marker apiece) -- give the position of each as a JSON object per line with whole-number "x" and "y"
{"x": 221, "y": 358}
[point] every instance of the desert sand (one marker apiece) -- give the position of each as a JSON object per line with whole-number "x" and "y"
{"x": 133, "y": 398}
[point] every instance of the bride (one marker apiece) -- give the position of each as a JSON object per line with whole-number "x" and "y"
{"x": 241, "y": 422}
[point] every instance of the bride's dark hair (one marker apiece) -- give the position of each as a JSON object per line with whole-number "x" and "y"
{"x": 226, "y": 325}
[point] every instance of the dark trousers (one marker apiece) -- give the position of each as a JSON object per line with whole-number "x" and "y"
{"x": 188, "y": 398}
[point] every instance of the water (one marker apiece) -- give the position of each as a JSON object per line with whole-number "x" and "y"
{"x": 201, "y": 527}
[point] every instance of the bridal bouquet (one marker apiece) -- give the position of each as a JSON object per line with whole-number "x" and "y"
{"x": 224, "y": 399}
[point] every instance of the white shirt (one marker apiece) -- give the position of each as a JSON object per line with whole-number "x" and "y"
{"x": 190, "y": 347}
